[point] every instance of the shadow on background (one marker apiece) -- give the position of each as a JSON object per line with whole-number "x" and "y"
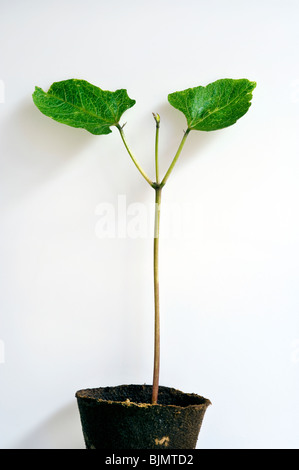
{"x": 34, "y": 148}
{"x": 60, "y": 431}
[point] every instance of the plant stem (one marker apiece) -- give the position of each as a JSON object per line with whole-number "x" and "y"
{"x": 120, "y": 128}
{"x": 158, "y": 191}
{"x": 157, "y": 186}
{"x": 186, "y": 133}
{"x": 157, "y": 119}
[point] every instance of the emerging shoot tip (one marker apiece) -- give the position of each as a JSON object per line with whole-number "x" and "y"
{"x": 157, "y": 118}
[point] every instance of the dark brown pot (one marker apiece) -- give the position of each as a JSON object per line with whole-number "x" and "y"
{"x": 123, "y": 417}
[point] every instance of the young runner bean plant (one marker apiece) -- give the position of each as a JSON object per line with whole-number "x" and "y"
{"x": 77, "y": 103}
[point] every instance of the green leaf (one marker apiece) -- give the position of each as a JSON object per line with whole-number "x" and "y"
{"x": 220, "y": 104}
{"x": 77, "y": 103}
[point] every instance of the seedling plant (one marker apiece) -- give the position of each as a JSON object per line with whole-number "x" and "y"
{"x": 80, "y": 104}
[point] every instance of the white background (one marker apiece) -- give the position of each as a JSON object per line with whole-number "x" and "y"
{"x": 77, "y": 308}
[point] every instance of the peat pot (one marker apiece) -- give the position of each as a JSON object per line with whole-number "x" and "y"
{"x": 123, "y": 417}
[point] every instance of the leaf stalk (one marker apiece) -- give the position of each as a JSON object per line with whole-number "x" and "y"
{"x": 175, "y": 159}
{"x": 141, "y": 171}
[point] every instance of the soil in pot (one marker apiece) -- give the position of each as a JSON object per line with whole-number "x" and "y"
{"x": 123, "y": 417}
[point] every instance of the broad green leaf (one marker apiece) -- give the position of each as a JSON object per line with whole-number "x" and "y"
{"x": 77, "y": 103}
{"x": 220, "y": 104}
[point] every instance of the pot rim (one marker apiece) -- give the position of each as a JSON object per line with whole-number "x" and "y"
{"x": 81, "y": 394}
